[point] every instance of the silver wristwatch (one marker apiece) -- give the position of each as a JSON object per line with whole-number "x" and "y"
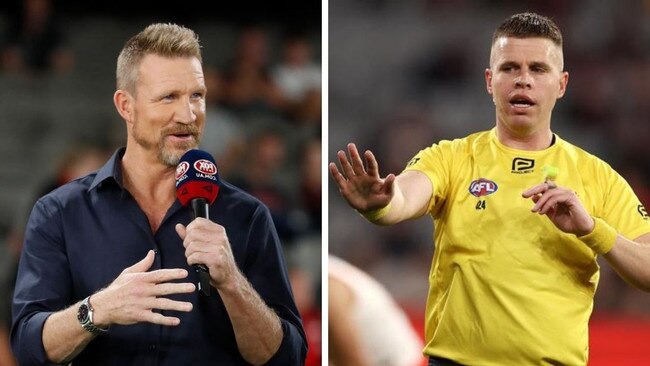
{"x": 85, "y": 317}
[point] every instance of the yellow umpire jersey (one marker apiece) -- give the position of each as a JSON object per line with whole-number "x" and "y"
{"x": 506, "y": 286}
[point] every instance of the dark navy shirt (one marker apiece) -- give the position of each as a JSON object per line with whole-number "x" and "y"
{"x": 82, "y": 235}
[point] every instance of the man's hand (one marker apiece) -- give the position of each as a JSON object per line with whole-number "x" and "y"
{"x": 206, "y": 243}
{"x": 135, "y": 293}
{"x": 364, "y": 189}
{"x": 562, "y": 206}
{"x": 257, "y": 328}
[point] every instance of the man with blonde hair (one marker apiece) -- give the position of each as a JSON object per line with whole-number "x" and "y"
{"x": 105, "y": 275}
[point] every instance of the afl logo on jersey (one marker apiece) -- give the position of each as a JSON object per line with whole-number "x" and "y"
{"x": 482, "y": 187}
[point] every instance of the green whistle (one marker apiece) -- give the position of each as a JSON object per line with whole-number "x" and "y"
{"x": 550, "y": 172}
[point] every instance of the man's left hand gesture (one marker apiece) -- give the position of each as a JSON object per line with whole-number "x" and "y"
{"x": 562, "y": 206}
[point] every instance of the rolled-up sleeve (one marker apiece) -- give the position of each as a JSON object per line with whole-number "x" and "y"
{"x": 266, "y": 270}
{"x": 293, "y": 348}
{"x": 43, "y": 283}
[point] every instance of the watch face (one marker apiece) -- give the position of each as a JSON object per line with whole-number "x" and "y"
{"x": 82, "y": 314}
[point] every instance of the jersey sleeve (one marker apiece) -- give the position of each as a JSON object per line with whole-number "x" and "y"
{"x": 622, "y": 209}
{"x": 435, "y": 162}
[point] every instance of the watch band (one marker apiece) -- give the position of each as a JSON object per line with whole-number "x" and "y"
{"x": 85, "y": 317}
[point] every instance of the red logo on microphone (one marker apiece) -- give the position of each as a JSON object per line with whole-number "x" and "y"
{"x": 205, "y": 166}
{"x": 181, "y": 169}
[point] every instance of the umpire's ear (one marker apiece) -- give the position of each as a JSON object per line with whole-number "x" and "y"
{"x": 488, "y": 80}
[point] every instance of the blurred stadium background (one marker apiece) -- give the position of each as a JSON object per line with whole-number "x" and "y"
{"x": 262, "y": 64}
{"x": 406, "y": 74}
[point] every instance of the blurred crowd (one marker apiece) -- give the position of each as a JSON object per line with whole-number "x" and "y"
{"x": 406, "y": 74}
{"x": 263, "y": 125}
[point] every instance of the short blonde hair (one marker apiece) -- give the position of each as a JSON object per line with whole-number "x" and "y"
{"x": 162, "y": 39}
{"x": 528, "y": 25}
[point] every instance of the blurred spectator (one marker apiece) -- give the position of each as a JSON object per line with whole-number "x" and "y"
{"x": 78, "y": 161}
{"x": 260, "y": 175}
{"x": 249, "y": 88}
{"x": 299, "y": 79}
{"x": 223, "y": 136}
{"x": 35, "y": 41}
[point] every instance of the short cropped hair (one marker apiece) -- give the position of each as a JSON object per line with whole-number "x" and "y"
{"x": 529, "y": 25}
{"x": 162, "y": 39}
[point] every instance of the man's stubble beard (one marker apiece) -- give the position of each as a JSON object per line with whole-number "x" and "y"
{"x": 168, "y": 156}
{"x": 171, "y": 158}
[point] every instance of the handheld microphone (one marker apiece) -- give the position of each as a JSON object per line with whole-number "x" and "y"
{"x": 197, "y": 185}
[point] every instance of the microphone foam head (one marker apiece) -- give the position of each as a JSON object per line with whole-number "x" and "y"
{"x": 197, "y": 177}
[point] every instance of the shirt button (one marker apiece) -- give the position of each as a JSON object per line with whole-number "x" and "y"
{"x": 152, "y": 347}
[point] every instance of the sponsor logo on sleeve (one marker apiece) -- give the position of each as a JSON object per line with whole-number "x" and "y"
{"x": 413, "y": 161}
{"x": 643, "y": 212}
